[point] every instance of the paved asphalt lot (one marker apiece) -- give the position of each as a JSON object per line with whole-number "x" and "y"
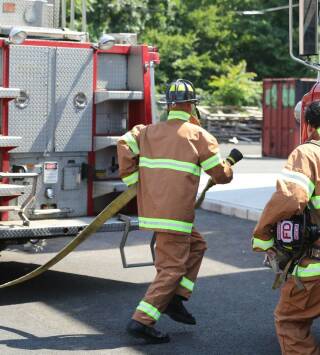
{"x": 83, "y": 304}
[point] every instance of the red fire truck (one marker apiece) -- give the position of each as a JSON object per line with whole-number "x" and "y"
{"x": 64, "y": 101}
{"x": 308, "y": 49}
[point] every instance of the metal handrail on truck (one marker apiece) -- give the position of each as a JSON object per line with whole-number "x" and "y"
{"x": 21, "y": 209}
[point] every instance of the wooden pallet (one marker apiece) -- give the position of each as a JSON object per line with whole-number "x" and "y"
{"x": 236, "y": 126}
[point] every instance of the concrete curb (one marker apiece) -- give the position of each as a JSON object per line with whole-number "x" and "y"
{"x": 243, "y": 212}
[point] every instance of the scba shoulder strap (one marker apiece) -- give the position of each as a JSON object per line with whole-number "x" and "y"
{"x": 317, "y": 143}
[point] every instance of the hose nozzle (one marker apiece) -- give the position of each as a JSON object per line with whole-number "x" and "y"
{"x": 234, "y": 156}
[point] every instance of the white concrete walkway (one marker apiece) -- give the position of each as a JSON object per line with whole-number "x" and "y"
{"x": 245, "y": 197}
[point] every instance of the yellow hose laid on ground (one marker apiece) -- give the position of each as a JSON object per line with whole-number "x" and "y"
{"x": 113, "y": 208}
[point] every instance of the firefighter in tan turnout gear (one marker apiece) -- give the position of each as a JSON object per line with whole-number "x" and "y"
{"x": 297, "y": 194}
{"x": 166, "y": 159}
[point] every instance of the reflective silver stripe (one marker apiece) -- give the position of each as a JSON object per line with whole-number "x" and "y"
{"x": 309, "y": 271}
{"x": 167, "y": 224}
{"x": 299, "y": 179}
{"x": 150, "y": 310}
{"x": 186, "y": 283}
{"x": 131, "y": 179}
{"x": 132, "y": 143}
{"x": 179, "y": 115}
{"x": 211, "y": 162}
{"x": 170, "y": 164}
{"x": 262, "y": 244}
{"x": 315, "y": 200}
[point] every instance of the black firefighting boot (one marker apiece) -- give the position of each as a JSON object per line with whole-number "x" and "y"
{"x": 177, "y": 311}
{"x": 149, "y": 334}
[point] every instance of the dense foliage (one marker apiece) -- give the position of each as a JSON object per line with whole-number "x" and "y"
{"x": 206, "y": 41}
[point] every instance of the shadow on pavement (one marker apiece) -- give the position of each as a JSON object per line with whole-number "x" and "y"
{"x": 63, "y": 342}
{"x": 234, "y": 314}
{"x": 229, "y": 239}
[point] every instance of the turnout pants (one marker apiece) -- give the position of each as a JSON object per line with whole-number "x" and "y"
{"x": 294, "y": 315}
{"x": 177, "y": 261}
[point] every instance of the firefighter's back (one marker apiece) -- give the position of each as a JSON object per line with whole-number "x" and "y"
{"x": 169, "y": 170}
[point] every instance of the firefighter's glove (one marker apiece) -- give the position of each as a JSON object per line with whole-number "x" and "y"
{"x": 234, "y": 156}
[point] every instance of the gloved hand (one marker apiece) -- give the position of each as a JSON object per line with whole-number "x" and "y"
{"x": 234, "y": 157}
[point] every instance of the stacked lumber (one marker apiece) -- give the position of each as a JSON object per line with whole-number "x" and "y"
{"x": 228, "y": 124}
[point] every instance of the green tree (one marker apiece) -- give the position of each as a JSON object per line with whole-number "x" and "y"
{"x": 201, "y": 39}
{"x": 236, "y": 87}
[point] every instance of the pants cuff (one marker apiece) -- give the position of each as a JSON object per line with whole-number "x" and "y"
{"x": 143, "y": 318}
{"x": 183, "y": 293}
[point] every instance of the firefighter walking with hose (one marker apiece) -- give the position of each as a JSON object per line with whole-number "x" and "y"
{"x": 165, "y": 160}
{"x": 293, "y": 246}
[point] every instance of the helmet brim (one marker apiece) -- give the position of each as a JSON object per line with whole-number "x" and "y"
{"x": 193, "y": 101}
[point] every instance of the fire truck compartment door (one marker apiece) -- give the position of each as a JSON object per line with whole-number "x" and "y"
{"x": 74, "y": 99}
{"x": 29, "y": 117}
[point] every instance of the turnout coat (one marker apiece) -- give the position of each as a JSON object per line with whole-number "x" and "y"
{"x": 166, "y": 159}
{"x": 297, "y": 187}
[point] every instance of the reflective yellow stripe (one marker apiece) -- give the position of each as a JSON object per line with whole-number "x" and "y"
{"x": 170, "y": 164}
{"x": 179, "y": 115}
{"x": 186, "y": 283}
{"x": 309, "y": 271}
{"x": 299, "y": 179}
{"x": 316, "y": 202}
{"x": 262, "y": 244}
{"x": 132, "y": 143}
{"x": 181, "y": 87}
{"x": 211, "y": 162}
{"x": 150, "y": 310}
{"x": 168, "y": 224}
{"x": 318, "y": 130}
{"x": 131, "y": 179}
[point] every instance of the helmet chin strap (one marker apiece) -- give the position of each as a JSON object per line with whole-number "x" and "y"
{"x": 197, "y": 112}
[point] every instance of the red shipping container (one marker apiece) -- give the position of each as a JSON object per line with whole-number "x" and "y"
{"x": 280, "y": 131}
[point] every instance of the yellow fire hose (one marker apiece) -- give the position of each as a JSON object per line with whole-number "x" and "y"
{"x": 113, "y": 208}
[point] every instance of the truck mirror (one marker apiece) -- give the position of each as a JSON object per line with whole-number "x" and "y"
{"x": 308, "y": 27}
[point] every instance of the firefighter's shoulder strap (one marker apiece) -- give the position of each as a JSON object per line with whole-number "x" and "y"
{"x": 113, "y": 208}
{"x": 317, "y": 143}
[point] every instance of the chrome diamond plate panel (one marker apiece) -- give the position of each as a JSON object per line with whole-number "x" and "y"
{"x": 29, "y": 70}
{"x": 105, "y": 95}
{"x": 74, "y": 75}
{"x": 58, "y": 228}
{"x": 9, "y": 93}
{"x": 6, "y": 141}
{"x": 112, "y": 117}
{"x": 112, "y": 72}
{"x": 39, "y": 13}
{"x": 56, "y": 20}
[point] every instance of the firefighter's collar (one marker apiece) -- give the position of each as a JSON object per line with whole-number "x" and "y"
{"x": 179, "y": 115}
